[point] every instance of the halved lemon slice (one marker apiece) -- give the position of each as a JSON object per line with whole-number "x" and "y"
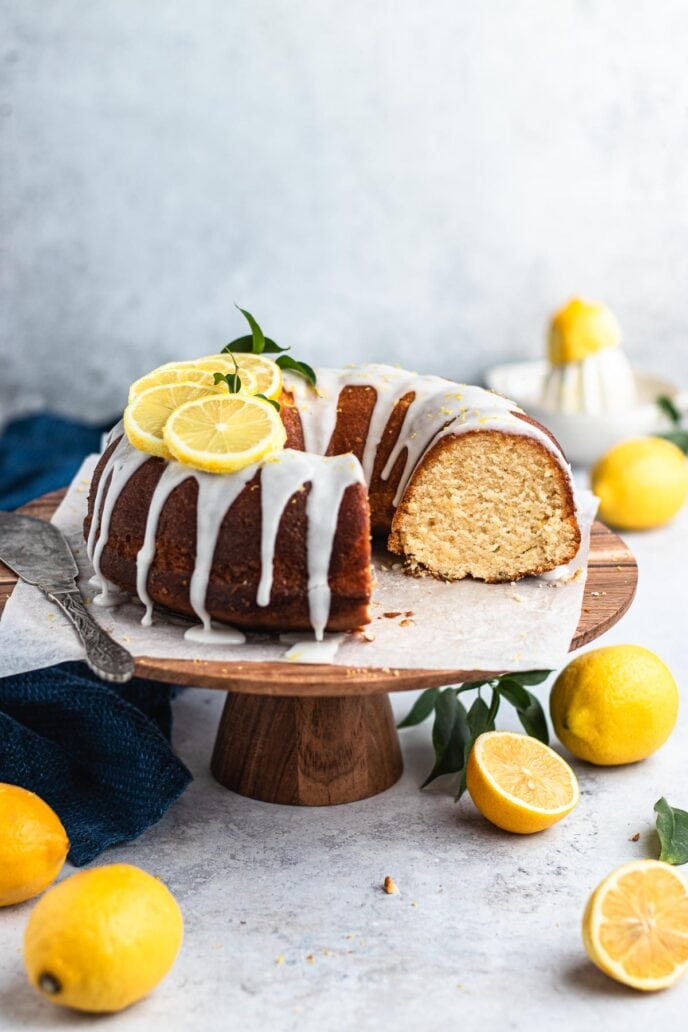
{"x": 216, "y": 364}
{"x": 635, "y": 926}
{"x": 224, "y": 433}
{"x": 171, "y": 375}
{"x": 146, "y": 415}
{"x": 518, "y": 783}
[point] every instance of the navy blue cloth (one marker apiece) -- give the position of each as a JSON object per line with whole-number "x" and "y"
{"x": 98, "y": 753}
{"x": 42, "y": 452}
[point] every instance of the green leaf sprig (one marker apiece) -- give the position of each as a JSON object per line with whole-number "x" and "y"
{"x": 456, "y": 728}
{"x": 256, "y": 343}
{"x": 672, "y": 828}
{"x": 678, "y": 435}
{"x": 233, "y": 381}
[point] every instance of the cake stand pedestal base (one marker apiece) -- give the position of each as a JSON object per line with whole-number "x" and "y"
{"x": 313, "y": 751}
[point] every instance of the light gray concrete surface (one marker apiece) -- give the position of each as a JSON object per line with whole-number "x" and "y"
{"x": 375, "y": 179}
{"x": 287, "y": 926}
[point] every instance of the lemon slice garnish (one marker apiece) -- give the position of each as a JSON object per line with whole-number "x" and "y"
{"x": 224, "y": 433}
{"x": 146, "y": 415}
{"x": 519, "y": 783}
{"x": 266, "y": 374}
{"x": 172, "y": 374}
{"x": 216, "y": 364}
{"x": 635, "y": 926}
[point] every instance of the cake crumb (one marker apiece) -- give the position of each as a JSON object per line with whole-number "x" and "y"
{"x": 407, "y": 622}
{"x": 393, "y": 614}
{"x": 310, "y": 958}
{"x": 367, "y": 635}
{"x": 635, "y": 838}
{"x": 279, "y": 959}
{"x": 516, "y": 597}
{"x": 409, "y": 612}
{"x": 389, "y": 885}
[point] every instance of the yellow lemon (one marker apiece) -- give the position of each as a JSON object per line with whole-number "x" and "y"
{"x": 641, "y": 483}
{"x": 581, "y": 328}
{"x": 614, "y": 705}
{"x": 518, "y": 783}
{"x": 220, "y": 364}
{"x": 146, "y": 415}
{"x": 224, "y": 433}
{"x": 33, "y": 845}
{"x": 171, "y": 375}
{"x": 635, "y": 926}
{"x": 102, "y": 939}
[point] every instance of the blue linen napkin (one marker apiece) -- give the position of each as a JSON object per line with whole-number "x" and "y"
{"x": 98, "y": 753}
{"x": 39, "y": 453}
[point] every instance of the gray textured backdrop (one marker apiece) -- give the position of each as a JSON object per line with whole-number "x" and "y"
{"x": 412, "y": 180}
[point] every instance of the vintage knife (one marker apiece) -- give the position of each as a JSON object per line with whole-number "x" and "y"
{"x": 39, "y": 553}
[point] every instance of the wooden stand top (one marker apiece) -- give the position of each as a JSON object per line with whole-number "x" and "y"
{"x": 609, "y": 591}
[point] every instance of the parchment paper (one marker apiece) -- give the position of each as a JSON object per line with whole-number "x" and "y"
{"x": 465, "y": 625}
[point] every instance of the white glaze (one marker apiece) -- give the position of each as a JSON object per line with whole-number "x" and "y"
{"x": 439, "y": 408}
{"x": 311, "y": 650}
{"x": 214, "y": 635}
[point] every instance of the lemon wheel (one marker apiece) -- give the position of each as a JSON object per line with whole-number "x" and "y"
{"x": 224, "y": 433}
{"x": 146, "y": 415}
{"x": 173, "y": 375}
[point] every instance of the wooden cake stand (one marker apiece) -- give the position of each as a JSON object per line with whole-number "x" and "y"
{"x": 317, "y": 735}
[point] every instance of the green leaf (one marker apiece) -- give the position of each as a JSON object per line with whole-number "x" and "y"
{"x": 270, "y": 401}
{"x": 449, "y": 734}
{"x": 666, "y": 404}
{"x": 677, "y": 437}
{"x": 533, "y": 720}
{"x": 529, "y": 677}
{"x": 672, "y": 828}
{"x": 421, "y": 709}
{"x": 244, "y": 345}
{"x": 480, "y": 718}
{"x": 300, "y": 368}
{"x": 256, "y": 332}
{"x": 514, "y": 693}
{"x": 233, "y": 381}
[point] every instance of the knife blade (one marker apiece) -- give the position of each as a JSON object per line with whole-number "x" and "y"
{"x": 39, "y": 553}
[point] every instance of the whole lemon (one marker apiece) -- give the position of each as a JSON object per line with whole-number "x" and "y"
{"x": 33, "y": 845}
{"x": 641, "y": 483}
{"x": 102, "y": 939}
{"x": 614, "y": 705}
{"x": 581, "y": 328}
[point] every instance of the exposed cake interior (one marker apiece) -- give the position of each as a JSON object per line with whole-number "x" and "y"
{"x": 488, "y": 505}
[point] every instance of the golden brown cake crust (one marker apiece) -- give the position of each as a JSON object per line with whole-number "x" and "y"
{"x": 236, "y": 567}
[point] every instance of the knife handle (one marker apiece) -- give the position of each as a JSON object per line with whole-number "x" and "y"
{"x": 105, "y": 657}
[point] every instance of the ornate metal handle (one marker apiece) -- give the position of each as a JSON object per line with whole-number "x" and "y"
{"x": 105, "y": 657}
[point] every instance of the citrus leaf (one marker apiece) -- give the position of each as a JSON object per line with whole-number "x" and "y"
{"x": 677, "y": 437}
{"x": 672, "y": 828}
{"x": 533, "y": 719}
{"x": 256, "y": 332}
{"x": 421, "y": 709}
{"x": 244, "y": 345}
{"x": 480, "y": 718}
{"x": 449, "y": 734}
{"x": 529, "y": 677}
{"x": 666, "y": 404}
{"x": 514, "y": 693}
{"x": 300, "y": 368}
{"x": 270, "y": 401}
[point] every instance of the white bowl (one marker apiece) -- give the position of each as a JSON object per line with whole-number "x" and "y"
{"x": 584, "y": 436}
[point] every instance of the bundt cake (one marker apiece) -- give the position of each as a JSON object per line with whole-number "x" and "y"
{"x": 459, "y": 481}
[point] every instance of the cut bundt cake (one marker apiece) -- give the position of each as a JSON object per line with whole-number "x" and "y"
{"x": 457, "y": 480}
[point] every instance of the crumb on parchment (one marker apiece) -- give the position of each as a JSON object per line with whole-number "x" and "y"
{"x": 389, "y": 885}
{"x": 635, "y": 838}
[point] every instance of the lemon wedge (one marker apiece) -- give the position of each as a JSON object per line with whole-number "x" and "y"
{"x": 223, "y": 433}
{"x": 146, "y": 415}
{"x": 519, "y": 783}
{"x": 635, "y": 926}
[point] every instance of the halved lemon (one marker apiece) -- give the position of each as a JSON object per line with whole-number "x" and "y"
{"x": 635, "y": 926}
{"x": 224, "y": 433}
{"x": 519, "y": 783}
{"x": 146, "y": 415}
{"x": 173, "y": 374}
